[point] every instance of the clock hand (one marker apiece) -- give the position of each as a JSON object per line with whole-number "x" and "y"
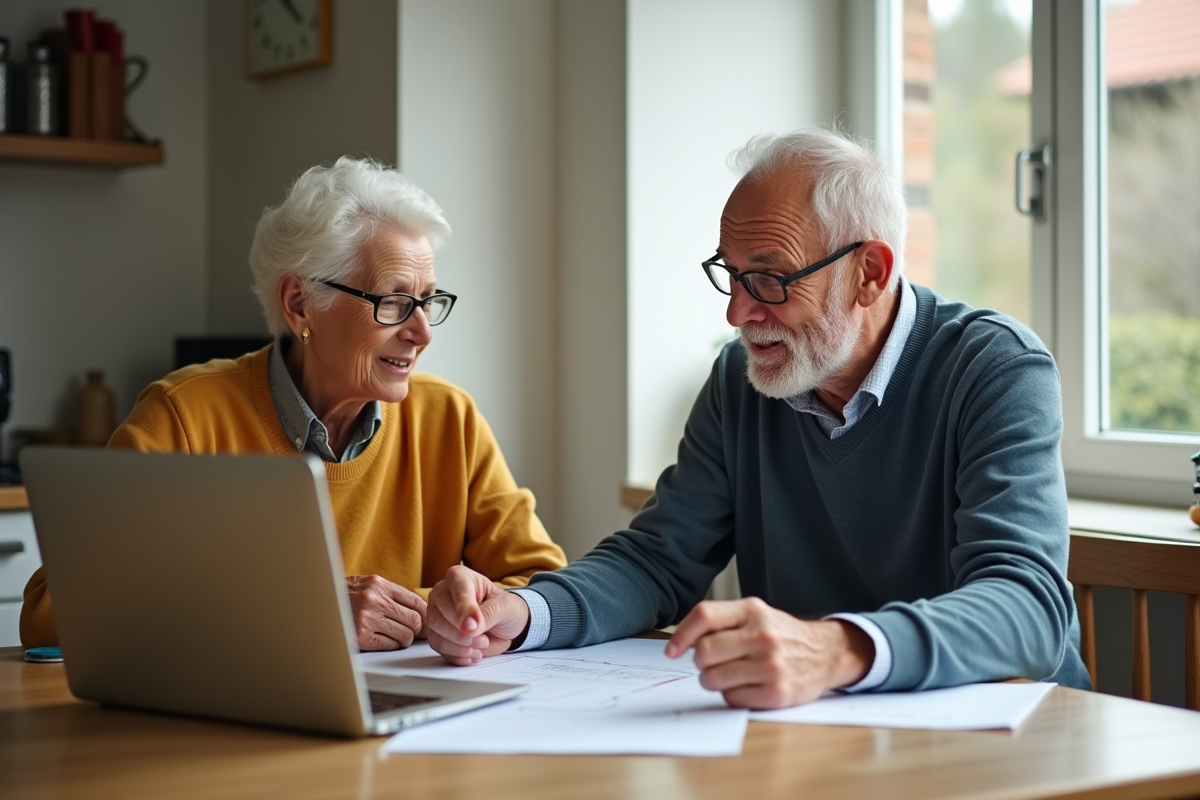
{"x": 291, "y": 9}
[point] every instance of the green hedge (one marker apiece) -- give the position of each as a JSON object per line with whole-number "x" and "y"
{"x": 1155, "y": 368}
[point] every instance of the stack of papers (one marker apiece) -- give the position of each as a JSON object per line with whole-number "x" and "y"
{"x": 622, "y": 697}
{"x": 626, "y": 697}
{"x": 976, "y": 706}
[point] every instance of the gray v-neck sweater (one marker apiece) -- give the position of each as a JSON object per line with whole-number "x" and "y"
{"x": 941, "y": 515}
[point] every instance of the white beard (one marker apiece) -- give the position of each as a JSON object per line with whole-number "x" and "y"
{"x": 813, "y": 355}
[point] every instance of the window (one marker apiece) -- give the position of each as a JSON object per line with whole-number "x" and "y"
{"x": 1151, "y": 82}
{"x": 1110, "y": 276}
{"x": 966, "y": 111}
{"x": 1116, "y": 308}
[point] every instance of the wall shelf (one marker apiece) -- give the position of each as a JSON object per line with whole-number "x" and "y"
{"x": 113, "y": 154}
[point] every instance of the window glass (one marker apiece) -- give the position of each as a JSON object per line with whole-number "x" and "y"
{"x": 966, "y": 113}
{"x": 1151, "y": 52}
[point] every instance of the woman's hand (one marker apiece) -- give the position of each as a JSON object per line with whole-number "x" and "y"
{"x": 386, "y": 616}
{"x": 471, "y": 618}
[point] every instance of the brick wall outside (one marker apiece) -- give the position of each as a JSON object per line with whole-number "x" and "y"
{"x": 919, "y": 77}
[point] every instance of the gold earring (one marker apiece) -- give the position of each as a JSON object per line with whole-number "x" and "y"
{"x": 305, "y": 335}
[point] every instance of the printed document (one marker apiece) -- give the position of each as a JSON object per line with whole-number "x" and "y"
{"x": 622, "y": 697}
{"x": 978, "y": 706}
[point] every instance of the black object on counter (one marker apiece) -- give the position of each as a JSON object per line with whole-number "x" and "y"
{"x": 6, "y": 87}
{"x": 9, "y": 473}
{"x": 198, "y": 349}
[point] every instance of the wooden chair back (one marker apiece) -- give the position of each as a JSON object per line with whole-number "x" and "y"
{"x": 1141, "y": 565}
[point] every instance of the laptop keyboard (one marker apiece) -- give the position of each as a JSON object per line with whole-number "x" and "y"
{"x": 382, "y": 702}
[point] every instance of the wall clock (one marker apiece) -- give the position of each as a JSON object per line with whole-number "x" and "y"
{"x": 287, "y": 35}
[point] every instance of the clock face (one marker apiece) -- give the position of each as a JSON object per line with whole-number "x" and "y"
{"x": 284, "y": 35}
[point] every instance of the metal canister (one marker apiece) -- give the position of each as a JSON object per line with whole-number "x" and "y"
{"x": 6, "y": 87}
{"x": 42, "y": 88}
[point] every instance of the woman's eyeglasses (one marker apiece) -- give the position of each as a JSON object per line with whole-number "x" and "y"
{"x": 392, "y": 309}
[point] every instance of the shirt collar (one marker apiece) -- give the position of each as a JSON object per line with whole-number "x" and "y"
{"x": 301, "y": 425}
{"x": 874, "y": 386}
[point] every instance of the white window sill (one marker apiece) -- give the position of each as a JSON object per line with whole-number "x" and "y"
{"x": 1125, "y": 519}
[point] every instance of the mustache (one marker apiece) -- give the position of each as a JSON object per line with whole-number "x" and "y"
{"x": 765, "y": 333}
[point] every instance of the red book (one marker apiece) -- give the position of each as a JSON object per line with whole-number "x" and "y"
{"x": 81, "y": 29}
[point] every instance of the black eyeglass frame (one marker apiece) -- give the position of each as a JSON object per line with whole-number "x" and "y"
{"x": 783, "y": 281}
{"x": 376, "y": 299}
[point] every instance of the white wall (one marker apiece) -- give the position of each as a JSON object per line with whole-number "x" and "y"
{"x": 101, "y": 269}
{"x": 262, "y": 133}
{"x": 477, "y": 132}
{"x": 704, "y": 76}
{"x": 591, "y": 264}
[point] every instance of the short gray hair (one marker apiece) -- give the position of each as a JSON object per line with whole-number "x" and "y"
{"x": 854, "y": 195}
{"x": 329, "y": 213}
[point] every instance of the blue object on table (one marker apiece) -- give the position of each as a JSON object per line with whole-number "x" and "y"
{"x": 44, "y": 655}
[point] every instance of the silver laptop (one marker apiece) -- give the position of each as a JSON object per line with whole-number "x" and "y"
{"x": 213, "y": 586}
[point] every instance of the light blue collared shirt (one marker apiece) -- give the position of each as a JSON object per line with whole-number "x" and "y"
{"x": 299, "y": 422}
{"x": 871, "y": 391}
{"x": 874, "y": 386}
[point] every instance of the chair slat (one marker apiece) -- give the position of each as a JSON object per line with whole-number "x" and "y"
{"x": 1087, "y": 628}
{"x": 1191, "y": 638}
{"x": 1141, "y": 645}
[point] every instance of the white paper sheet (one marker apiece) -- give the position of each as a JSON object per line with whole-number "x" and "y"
{"x": 622, "y": 697}
{"x": 978, "y": 706}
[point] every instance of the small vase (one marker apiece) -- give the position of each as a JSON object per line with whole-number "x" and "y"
{"x": 97, "y": 411}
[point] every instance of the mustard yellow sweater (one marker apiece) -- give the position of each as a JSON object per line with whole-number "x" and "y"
{"x": 430, "y": 491}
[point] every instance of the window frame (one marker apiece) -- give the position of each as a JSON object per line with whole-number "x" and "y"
{"x": 1069, "y": 265}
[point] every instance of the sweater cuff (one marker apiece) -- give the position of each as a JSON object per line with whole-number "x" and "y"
{"x": 910, "y": 650}
{"x": 566, "y": 615}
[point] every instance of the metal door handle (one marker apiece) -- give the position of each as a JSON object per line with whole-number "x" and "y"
{"x": 1034, "y": 204}
{"x": 12, "y": 548}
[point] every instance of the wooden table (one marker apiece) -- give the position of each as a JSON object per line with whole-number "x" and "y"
{"x": 1077, "y": 745}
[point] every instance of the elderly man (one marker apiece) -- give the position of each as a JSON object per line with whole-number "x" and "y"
{"x": 883, "y": 462}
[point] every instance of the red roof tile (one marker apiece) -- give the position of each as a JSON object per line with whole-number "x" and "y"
{"x": 1149, "y": 42}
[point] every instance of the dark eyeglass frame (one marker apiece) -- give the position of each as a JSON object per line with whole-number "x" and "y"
{"x": 414, "y": 302}
{"x": 783, "y": 281}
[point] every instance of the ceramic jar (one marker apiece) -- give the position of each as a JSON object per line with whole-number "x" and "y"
{"x": 97, "y": 418}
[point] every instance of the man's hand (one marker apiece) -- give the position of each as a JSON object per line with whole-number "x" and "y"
{"x": 386, "y": 616}
{"x": 471, "y": 618}
{"x": 759, "y": 657}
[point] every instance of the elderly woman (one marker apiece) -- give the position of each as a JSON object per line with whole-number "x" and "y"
{"x": 344, "y": 270}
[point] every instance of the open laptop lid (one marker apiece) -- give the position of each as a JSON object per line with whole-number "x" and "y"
{"x": 204, "y": 585}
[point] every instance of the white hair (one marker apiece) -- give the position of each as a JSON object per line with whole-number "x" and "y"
{"x": 329, "y": 213}
{"x": 854, "y": 197}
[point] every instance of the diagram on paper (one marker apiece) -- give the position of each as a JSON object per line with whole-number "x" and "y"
{"x": 618, "y": 697}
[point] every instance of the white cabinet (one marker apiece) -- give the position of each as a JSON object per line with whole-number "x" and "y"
{"x": 19, "y": 557}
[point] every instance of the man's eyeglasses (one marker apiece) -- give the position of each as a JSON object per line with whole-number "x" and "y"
{"x": 766, "y": 287}
{"x": 392, "y": 309}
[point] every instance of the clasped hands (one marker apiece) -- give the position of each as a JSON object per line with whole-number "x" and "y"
{"x": 755, "y": 655}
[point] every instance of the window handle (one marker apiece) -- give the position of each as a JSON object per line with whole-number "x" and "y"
{"x": 12, "y": 548}
{"x": 1033, "y": 203}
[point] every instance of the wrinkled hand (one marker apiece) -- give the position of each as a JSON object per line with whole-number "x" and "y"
{"x": 386, "y": 616}
{"x": 760, "y": 657}
{"x": 471, "y": 618}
